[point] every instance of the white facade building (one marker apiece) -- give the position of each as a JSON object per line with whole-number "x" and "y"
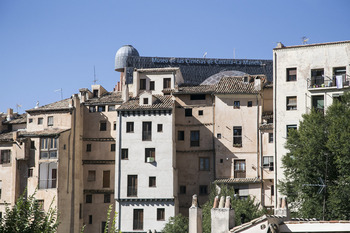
{"x": 305, "y": 77}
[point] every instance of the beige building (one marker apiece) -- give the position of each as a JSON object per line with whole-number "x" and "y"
{"x": 305, "y": 77}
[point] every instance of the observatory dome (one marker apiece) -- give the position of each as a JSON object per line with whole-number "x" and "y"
{"x": 215, "y": 78}
{"x": 122, "y": 54}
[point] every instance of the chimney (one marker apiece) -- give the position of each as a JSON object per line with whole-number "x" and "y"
{"x": 282, "y": 208}
{"x": 195, "y": 217}
{"x": 125, "y": 94}
{"x": 280, "y": 45}
{"x": 223, "y": 217}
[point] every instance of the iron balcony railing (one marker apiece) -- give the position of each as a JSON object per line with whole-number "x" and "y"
{"x": 47, "y": 184}
{"x": 338, "y": 81}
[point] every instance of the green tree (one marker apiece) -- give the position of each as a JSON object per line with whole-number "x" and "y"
{"x": 320, "y": 149}
{"x": 177, "y": 224}
{"x": 27, "y": 216}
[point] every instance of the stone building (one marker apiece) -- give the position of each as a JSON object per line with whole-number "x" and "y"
{"x": 305, "y": 77}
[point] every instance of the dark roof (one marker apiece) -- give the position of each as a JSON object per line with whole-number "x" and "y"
{"x": 235, "y": 85}
{"x": 160, "y": 102}
{"x": 18, "y": 119}
{"x": 311, "y": 45}
{"x": 200, "y": 89}
{"x": 56, "y": 106}
{"x": 196, "y": 70}
{"x": 107, "y": 98}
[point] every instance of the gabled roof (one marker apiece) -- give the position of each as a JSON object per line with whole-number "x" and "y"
{"x": 62, "y": 105}
{"x": 18, "y": 119}
{"x": 200, "y": 89}
{"x": 160, "y": 102}
{"x": 107, "y": 98}
{"x": 42, "y": 133}
{"x": 235, "y": 85}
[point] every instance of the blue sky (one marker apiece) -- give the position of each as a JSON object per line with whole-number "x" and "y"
{"x": 48, "y": 45}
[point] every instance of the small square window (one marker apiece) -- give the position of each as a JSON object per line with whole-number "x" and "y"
{"x": 160, "y": 214}
{"x": 188, "y": 112}
{"x": 151, "y": 85}
{"x": 270, "y": 137}
{"x": 291, "y": 103}
{"x": 50, "y": 121}
{"x": 291, "y": 74}
{"x": 129, "y": 127}
{"x": 290, "y": 128}
{"x": 145, "y": 100}
{"x": 160, "y": 128}
{"x": 88, "y": 147}
{"x": 218, "y": 135}
{"x": 113, "y": 147}
{"x": 101, "y": 108}
{"x": 30, "y": 120}
{"x": 203, "y": 189}
{"x": 40, "y": 121}
{"x": 88, "y": 198}
{"x": 91, "y": 175}
{"x": 180, "y": 135}
{"x": 166, "y": 83}
{"x": 182, "y": 189}
{"x": 200, "y": 113}
{"x": 125, "y": 154}
{"x": 30, "y": 172}
{"x": 221, "y": 161}
{"x": 152, "y": 181}
{"x": 92, "y": 109}
{"x": 150, "y": 155}
{"x": 236, "y": 105}
{"x": 250, "y": 104}
{"x": 107, "y": 198}
{"x": 103, "y": 126}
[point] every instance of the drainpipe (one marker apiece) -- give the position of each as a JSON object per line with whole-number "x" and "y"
{"x": 257, "y": 136}
{"x": 73, "y": 171}
{"x": 119, "y": 169}
{"x": 214, "y": 146}
{"x": 275, "y": 131}
{"x": 261, "y": 170}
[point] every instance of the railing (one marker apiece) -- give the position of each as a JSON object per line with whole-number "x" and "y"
{"x": 47, "y": 184}
{"x": 338, "y": 81}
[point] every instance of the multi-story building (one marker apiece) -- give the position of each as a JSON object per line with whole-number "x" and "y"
{"x": 305, "y": 77}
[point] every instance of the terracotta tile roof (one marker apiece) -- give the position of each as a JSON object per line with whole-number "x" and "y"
{"x": 160, "y": 102}
{"x": 108, "y": 98}
{"x": 238, "y": 181}
{"x": 19, "y": 119}
{"x": 42, "y": 133}
{"x": 6, "y": 137}
{"x": 235, "y": 85}
{"x": 200, "y": 89}
{"x": 59, "y": 105}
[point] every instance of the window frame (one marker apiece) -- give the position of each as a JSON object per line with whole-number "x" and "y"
{"x": 240, "y": 168}
{"x": 5, "y": 157}
{"x": 236, "y": 104}
{"x": 125, "y": 154}
{"x": 132, "y": 185}
{"x": 290, "y": 127}
{"x": 270, "y": 135}
{"x": 188, "y": 112}
{"x": 237, "y": 136}
{"x": 166, "y": 83}
{"x": 50, "y": 121}
{"x": 147, "y": 131}
{"x": 159, "y": 128}
{"x": 150, "y": 153}
{"x": 203, "y": 189}
{"x": 130, "y": 127}
{"x": 48, "y": 146}
{"x": 152, "y": 182}
{"x": 291, "y": 103}
{"x": 103, "y": 125}
{"x": 88, "y": 198}
{"x": 138, "y": 219}
{"x": 106, "y": 183}
{"x": 291, "y": 77}
{"x": 143, "y": 84}
{"x": 160, "y": 214}
{"x": 180, "y": 135}
{"x": 194, "y": 138}
{"x": 204, "y": 164}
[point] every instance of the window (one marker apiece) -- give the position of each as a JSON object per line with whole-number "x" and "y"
{"x": 152, "y": 181}
{"x": 290, "y": 128}
{"x": 106, "y": 179}
{"x": 150, "y": 155}
{"x": 145, "y": 100}
{"x": 88, "y": 198}
{"x": 237, "y": 136}
{"x": 166, "y": 83}
{"x": 95, "y": 93}
{"x": 200, "y": 112}
{"x": 129, "y": 127}
{"x": 132, "y": 186}
{"x": 40, "y": 121}
{"x": 160, "y": 214}
{"x": 268, "y": 162}
{"x": 101, "y": 108}
{"x": 50, "y": 121}
{"x": 0, "y": 188}
{"x": 218, "y": 135}
{"x": 204, "y": 164}
{"x": 5, "y": 156}
{"x": 138, "y": 219}
{"x": 88, "y": 147}
{"x": 180, "y": 135}
{"x": 318, "y": 103}
{"x": 291, "y": 74}
{"x": 188, "y": 112}
{"x": 48, "y": 148}
{"x": 107, "y": 198}
{"x": 317, "y": 78}
{"x": 0, "y": 215}
{"x": 160, "y": 128}
{"x": 272, "y": 190}
{"x": 194, "y": 138}
{"x": 142, "y": 84}
{"x": 125, "y": 153}
{"x": 146, "y": 131}
{"x": 291, "y": 103}
{"x": 32, "y": 144}
{"x": 111, "y": 108}
{"x": 90, "y": 219}
{"x": 239, "y": 169}
{"x": 103, "y": 226}
{"x": 236, "y": 105}
{"x": 203, "y": 189}
{"x": 182, "y": 189}
{"x": 47, "y": 175}
{"x": 30, "y": 172}
{"x": 103, "y": 126}
{"x": 114, "y": 125}
{"x": 113, "y": 147}
{"x": 151, "y": 85}
{"x": 30, "y": 120}
{"x": 92, "y": 109}
{"x": 270, "y": 137}
{"x": 197, "y": 97}
{"x": 91, "y": 175}
{"x": 250, "y": 104}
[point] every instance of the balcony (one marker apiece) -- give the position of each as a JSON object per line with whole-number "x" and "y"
{"x": 47, "y": 184}
{"x": 324, "y": 82}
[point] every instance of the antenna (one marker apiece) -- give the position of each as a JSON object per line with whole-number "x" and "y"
{"x": 95, "y": 80}
{"x": 18, "y": 106}
{"x": 60, "y": 90}
{"x": 234, "y": 53}
{"x": 304, "y": 39}
{"x": 205, "y": 55}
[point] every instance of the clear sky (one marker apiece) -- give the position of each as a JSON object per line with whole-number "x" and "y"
{"x": 46, "y": 45}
